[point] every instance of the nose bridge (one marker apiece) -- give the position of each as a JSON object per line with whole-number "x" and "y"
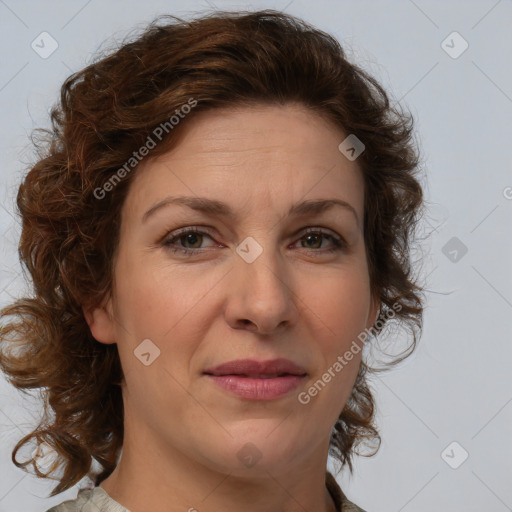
{"x": 260, "y": 262}
{"x": 263, "y": 294}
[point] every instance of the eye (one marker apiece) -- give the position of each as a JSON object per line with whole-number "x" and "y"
{"x": 313, "y": 236}
{"x": 312, "y": 240}
{"x": 185, "y": 236}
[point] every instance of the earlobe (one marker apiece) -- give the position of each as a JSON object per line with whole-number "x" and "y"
{"x": 101, "y": 323}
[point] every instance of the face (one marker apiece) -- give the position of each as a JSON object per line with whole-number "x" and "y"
{"x": 276, "y": 278}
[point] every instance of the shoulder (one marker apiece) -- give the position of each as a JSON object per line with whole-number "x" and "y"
{"x": 90, "y": 500}
{"x": 73, "y": 505}
{"x": 348, "y": 506}
{"x": 343, "y": 504}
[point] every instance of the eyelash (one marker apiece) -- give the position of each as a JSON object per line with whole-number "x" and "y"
{"x": 339, "y": 243}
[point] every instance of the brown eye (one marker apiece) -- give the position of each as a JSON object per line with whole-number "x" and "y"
{"x": 191, "y": 236}
{"x": 312, "y": 240}
{"x": 189, "y": 241}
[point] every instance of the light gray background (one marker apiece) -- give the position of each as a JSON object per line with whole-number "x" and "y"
{"x": 457, "y": 386}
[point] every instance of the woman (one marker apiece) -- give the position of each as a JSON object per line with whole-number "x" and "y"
{"x": 221, "y": 211}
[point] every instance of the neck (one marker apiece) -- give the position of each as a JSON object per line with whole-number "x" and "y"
{"x": 167, "y": 480}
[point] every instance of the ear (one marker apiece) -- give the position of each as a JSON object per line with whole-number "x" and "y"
{"x": 373, "y": 312}
{"x": 101, "y": 322}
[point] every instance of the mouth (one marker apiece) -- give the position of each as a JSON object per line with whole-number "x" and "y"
{"x": 257, "y": 369}
{"x": 257, "y": 380}
{"x": 253, "y": 376}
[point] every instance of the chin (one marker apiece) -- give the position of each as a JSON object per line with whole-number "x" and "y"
{"x": 256, "y": 448}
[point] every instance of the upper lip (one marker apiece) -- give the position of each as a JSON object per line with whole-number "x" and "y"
{"x": 253, "y": 368}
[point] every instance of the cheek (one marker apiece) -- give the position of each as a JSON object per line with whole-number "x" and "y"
{"x": 157, "y": 296}
{"x": 156, "y": 304}
{"x": 340, "y": 303}
{"x": 160, "y": 303}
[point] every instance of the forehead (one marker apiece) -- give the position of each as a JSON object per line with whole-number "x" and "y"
{"x": 269, "y": 156}
{"x": 258, "y": 130}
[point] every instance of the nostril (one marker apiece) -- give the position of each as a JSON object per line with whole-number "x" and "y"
{"x": 245, "y": 322}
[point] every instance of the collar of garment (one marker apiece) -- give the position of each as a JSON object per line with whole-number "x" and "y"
{"x": 96, "y": 499}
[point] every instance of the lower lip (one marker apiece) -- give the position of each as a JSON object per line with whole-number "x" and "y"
{"x": 257, "y": 389}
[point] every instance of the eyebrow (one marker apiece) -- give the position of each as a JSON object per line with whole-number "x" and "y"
{"x": 220, "y": 209}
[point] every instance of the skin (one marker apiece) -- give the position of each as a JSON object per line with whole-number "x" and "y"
{"x": 296, "y": 300}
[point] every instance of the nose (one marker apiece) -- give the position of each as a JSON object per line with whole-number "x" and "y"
{"x": 261, "y": 297}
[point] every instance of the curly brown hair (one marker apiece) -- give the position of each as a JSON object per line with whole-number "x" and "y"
{"x": 70, "y": 236}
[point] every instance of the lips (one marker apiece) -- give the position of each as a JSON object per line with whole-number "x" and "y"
{"x": 248, "y": 379}
{"x": 251, "y": 368}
